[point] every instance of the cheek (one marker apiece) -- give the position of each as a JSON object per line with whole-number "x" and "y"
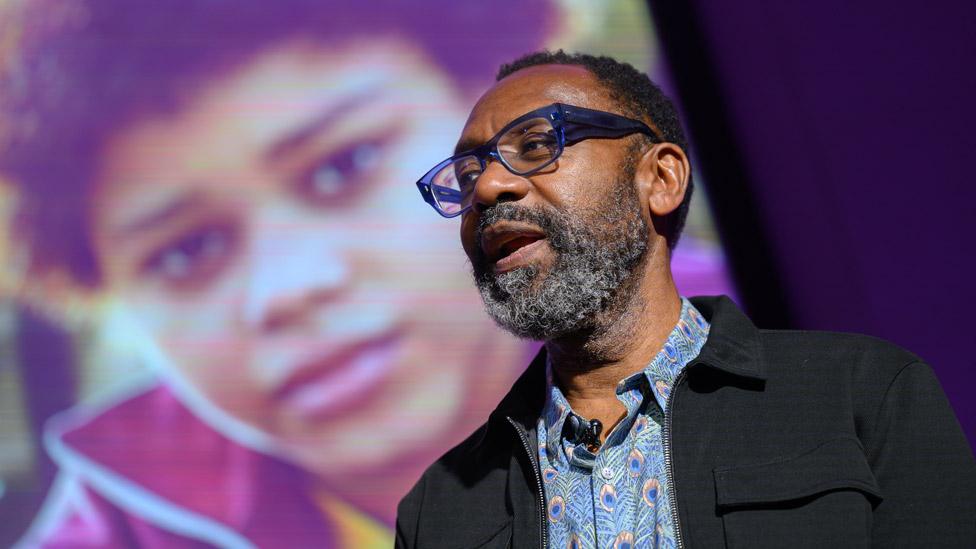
{"x": 197, "y": 333}
{"x": 403, "y": 251}
{"x": 204, "y": 349}
{"x": 584, "y": 179}
{"x": 582, "y": 185}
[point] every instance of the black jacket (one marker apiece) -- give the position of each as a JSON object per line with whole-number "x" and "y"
{"x": 777, "y": 438}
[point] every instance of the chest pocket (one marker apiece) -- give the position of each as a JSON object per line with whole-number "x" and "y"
{"x": 822, "y": 497}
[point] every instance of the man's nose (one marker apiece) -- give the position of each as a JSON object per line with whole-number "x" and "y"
{"x": 293, "y": 274}
{"x": 496, "y": 184}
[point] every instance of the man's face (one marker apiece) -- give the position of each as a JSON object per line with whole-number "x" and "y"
{"x": 268, "y": 238}
{"x": 550, "y": 251}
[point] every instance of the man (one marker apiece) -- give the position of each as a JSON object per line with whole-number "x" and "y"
{"x": 649, "y": 420}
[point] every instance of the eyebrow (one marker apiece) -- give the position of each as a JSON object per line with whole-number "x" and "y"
{"x": 467, "y": 145}
{"x": 170, "y": 210}
{"x": 322, "y": 120}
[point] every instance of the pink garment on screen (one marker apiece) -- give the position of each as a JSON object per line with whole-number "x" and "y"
{"x": 148, "y": 473}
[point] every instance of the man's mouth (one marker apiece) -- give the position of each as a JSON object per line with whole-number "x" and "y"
{"x": 515, "y": 244}
{"x": 509, "y": 245}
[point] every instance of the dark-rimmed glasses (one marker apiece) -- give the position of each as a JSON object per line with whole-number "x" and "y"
{"x": 524, "y": 146}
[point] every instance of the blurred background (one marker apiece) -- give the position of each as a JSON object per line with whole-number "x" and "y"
{"x": 222, "y": 288}
{"x": 225, "y": 312}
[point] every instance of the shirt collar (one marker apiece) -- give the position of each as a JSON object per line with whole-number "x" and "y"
{"x": 680, "y": 348}
{"x": 733, "y": 346}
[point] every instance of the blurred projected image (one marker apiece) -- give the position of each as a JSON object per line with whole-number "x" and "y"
{"x": 234, "y": 179}
{"x": 223, "y": 192}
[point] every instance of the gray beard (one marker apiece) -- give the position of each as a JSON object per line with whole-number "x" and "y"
{"x": 595, "y": 256}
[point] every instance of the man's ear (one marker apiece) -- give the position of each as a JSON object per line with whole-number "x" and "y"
{"x": 662, "y": 179}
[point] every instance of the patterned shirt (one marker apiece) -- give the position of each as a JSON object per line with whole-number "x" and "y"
{"x": 619, "y": 496}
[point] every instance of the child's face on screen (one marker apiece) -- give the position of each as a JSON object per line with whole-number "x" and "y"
{"x": 270, "y": 237}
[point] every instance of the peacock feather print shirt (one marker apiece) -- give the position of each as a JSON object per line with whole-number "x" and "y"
{"x": 620, "y": 495}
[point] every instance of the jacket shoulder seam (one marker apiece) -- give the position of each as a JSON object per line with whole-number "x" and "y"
{"x": 891, "y": 383}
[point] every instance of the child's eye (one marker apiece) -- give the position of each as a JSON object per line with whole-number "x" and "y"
{"x": 342, "y": 172}
{"x": 193, "y": 258}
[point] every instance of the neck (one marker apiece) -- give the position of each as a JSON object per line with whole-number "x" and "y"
{"x": 587, "y": 367}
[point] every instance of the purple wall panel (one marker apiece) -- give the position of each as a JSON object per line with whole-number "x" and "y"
{"x": 856, "y": 127}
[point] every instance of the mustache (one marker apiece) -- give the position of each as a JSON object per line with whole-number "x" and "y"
{"x": 506, "y": 211}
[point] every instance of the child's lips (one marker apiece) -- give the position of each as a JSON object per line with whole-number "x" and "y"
{"x": 336, "y": 380}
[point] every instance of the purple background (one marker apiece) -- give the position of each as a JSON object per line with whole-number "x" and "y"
{"x": 849, "y": 129}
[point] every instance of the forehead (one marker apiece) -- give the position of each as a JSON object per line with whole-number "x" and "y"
{"x": 530, "y": 89}
{"x": 275, "y": 94}
{"x": 274, "y": 116}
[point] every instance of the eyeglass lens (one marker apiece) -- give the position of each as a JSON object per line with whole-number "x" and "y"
{"x": 522, "y": 148}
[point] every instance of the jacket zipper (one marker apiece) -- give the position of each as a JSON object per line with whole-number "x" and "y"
{"x": 669, "y": 462}
{"x": 543, "y": 532}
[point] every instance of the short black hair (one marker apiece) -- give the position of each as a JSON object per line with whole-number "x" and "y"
{"x": 637, "y": 95}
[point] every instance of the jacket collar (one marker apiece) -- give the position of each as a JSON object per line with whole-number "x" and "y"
{"x": 733, "y": 346}
{"x": 177, "y": 473}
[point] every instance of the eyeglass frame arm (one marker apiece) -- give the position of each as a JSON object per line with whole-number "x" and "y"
{"x": 581, "y": 123}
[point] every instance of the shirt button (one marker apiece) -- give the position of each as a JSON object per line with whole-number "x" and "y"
{"x": 607, "y": 473}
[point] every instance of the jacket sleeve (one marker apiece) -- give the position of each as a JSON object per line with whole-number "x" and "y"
{"x": 923, "y": 464}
